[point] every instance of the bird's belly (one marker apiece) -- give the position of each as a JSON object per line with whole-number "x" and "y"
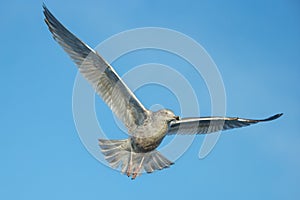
{"x": 145, "y": 142}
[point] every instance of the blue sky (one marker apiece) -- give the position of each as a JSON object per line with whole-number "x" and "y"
{"x": 256, "y": 46}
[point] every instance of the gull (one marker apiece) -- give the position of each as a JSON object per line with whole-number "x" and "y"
{"x": 146, "y": 128}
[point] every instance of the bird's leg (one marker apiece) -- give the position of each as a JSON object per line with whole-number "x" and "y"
{"x": 138, "y": 169}
{"x": 130, "y": 165}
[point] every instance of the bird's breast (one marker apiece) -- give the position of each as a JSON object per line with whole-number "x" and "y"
{"x": 148, "y": 138}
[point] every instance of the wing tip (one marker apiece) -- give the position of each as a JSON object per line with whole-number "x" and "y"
{"x": 273, "y": 117}
{"x": 47, "y": 15}
{"x": 45, "y": 9}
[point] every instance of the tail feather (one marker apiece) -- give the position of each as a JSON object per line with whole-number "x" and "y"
{"x": 118, "y": 154}
{"x": 114, "y": 151}
{"x": 156, "y": 161}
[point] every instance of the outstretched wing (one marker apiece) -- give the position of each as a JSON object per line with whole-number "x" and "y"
{"x": 100, "y": 75}
{"x": 203, "y": 125}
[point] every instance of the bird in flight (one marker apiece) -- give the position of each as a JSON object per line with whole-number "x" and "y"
{"x": 146, "y": 129}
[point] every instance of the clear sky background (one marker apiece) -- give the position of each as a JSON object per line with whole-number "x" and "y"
{"x": 256, "y": 46}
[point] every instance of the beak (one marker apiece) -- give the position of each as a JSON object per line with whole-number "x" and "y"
{"x": 177, "y": 117}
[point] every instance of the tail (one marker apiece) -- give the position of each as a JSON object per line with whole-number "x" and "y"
{"x": 115, "y": 151}
{"x": 154, "y": 160}
{"x": 118, "y": 154}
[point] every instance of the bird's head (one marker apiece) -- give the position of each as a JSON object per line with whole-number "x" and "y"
{"x": 166, "y": 115}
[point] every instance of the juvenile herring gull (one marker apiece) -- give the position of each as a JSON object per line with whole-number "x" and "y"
{"x": 147, "y": 129}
